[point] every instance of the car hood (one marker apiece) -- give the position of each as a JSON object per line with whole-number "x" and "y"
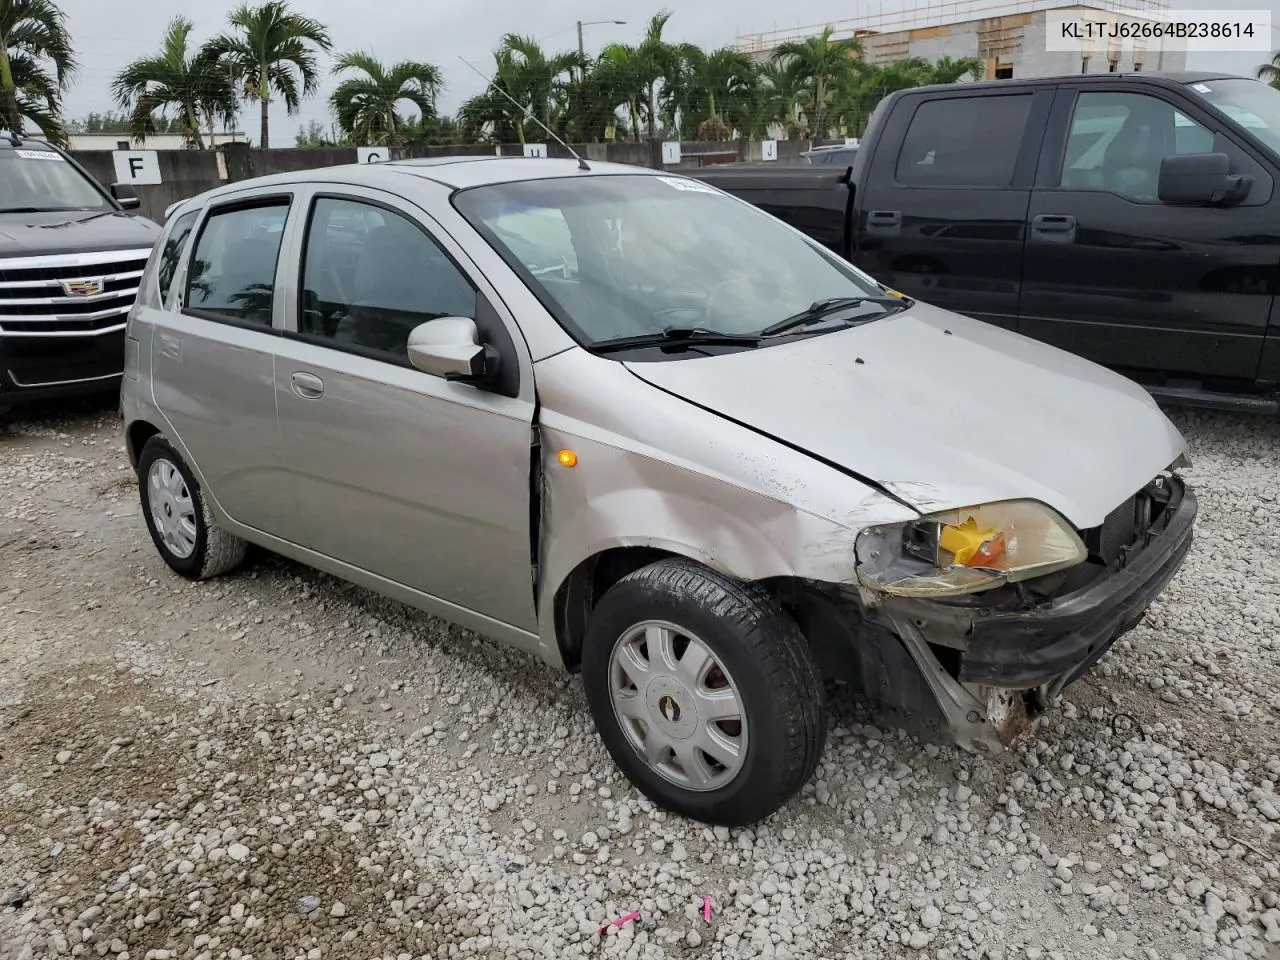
{"x": 943, "y": 411}
{"x": 73, "y": 231}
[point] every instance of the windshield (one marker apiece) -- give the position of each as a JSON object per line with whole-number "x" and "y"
{"x": 1250, "y": 103}
{"x": 638, "y": 255}
{"x": 36, "y": 178}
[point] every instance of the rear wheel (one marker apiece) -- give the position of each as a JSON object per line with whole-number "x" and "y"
{"x": 179, "y": 521}
{"x": 704, "y": 692}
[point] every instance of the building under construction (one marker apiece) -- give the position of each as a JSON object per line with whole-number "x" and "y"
{"x": 1011, "y": 37}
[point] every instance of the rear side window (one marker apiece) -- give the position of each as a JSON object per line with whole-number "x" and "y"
{"x": 171, "y": 254}
{"x": 964, "y": 141}
{"x": 233, "y": 270}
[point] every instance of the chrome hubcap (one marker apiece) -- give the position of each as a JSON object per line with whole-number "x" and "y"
{"x": 172, "y": 511}
{"x": 678, "y": 706}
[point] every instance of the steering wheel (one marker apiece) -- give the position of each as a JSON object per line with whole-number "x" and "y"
{"x": 709, "y": 309}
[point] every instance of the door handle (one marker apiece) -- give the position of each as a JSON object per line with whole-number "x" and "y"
{"x": 307, "y": 385}
{"x": 1054, "y": 227}
{"x": 884, "y": 218}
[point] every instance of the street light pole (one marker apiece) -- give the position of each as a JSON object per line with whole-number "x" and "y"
{"x": 582, "y": 50}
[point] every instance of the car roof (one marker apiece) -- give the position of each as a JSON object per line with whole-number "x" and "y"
{"x": 453, "y": 172}
{"x": 1180, "y": 77}
{"x": 23, "y": 141}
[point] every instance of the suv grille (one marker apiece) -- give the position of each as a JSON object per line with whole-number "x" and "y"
{"x": 70, "y": 295}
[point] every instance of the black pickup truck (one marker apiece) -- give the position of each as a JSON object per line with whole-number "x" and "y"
{"x": 1133, "y": 219}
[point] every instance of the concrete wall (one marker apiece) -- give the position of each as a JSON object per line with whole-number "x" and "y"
{"x": 185, "y": 173}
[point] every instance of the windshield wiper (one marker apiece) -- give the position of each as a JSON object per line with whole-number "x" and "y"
{"x": 33, "y": 209}
{"x": 677, "y": 337}
{"x": 821, "y": 308}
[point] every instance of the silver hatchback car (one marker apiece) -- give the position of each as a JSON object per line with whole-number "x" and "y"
{"x": 643, "y": 430}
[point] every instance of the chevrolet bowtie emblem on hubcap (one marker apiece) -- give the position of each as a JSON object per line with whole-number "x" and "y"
{"x": 670, "y": 709}
{"x": 83, "y": 288}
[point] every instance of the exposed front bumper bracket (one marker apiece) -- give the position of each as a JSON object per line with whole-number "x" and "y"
{"x": 983, "y": 720}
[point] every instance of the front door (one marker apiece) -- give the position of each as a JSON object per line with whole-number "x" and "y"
{"x": 420, "y": 481}
{"x": 943, "y": 203}
{"x": 1146, "y": 287}
{"x": 213, "y": 363}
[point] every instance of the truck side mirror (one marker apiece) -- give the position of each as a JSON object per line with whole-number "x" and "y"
{"x": 126, "y": 196}
{"x": 1201, "y": 178}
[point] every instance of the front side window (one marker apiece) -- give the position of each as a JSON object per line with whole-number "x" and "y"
{"x": 35, "y": 178}
{"x": 369, "y": 276}
{"x": 171, "y": 254}
{"x": 233, "y": 269}
{"x": 1252, "y": 104}
{"x": 964, "y": 141}
{"x": 647, "y": 254}
{"x": 1118, "y": 141}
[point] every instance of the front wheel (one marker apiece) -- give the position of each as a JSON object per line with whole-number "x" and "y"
{"x": 704, "y": 692}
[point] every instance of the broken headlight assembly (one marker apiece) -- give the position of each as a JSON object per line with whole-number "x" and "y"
{"x": 963, "y": 551}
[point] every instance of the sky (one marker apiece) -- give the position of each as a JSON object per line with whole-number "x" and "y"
{"x": 442, "y": 31}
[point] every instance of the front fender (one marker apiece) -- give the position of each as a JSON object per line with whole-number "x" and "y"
{"x": 620, "y": 498}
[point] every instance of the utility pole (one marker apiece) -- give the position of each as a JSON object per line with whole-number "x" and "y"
{"x": 589, "y": 23}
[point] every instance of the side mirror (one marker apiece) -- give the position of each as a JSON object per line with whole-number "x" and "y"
{"x": 1201, "y": 178}
{"x": 450, "y": 347}
{"x": 126, "y": 196}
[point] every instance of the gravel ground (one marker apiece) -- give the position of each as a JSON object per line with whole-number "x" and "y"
{"x": 277, "y": 765}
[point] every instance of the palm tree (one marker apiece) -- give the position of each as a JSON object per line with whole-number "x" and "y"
{"x": 366, "y": 105}
{"x": 947, "y": 70}
{"x": 621, "y": 70}
{"x": 657, "y": 60}
{"x": 541, "y": 85}
{"x": 781, "y": 92}
{"x": 1270, "y": 72}
{"x": 273, "y": 49}
{"x": 716, "y": 86}
{"x": 33, "y": 39}
{"x": 825, "y": 64}
{"x": 190, "y": 84}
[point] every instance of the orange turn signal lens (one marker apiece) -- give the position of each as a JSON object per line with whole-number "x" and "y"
{"x": 567, "y": 458}
{"x": 974, "y": 546}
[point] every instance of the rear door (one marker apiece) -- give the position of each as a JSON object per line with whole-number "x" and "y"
{"x": 213, "y": 363}
{"x": 943, "y": 200}
{"x": 1117, "y": 276}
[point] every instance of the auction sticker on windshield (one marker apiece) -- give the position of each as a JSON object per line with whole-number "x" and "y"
{"x": 38, "y": 154}
{"x": 691, "y": 185}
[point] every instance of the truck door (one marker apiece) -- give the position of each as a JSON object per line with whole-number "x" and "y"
{"x": 943, "y": 202}
{"x": 1162, "y": 292}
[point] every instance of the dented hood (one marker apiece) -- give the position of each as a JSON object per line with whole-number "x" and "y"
{"x": 943, "y": 411}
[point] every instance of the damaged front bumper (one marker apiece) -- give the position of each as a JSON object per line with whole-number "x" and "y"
{"x": 992, "y": 666}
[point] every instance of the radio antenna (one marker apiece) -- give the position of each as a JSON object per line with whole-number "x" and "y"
{"x": 529, "y": 114}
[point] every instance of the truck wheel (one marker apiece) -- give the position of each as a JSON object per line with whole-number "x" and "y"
{"x": 704, "y": 692}
{"x": 181, "y": 525}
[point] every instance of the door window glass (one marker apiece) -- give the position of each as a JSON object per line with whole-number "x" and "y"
{"x": 171, "y": 255}
{"x": 370, "y": 276}
{"x": 1118, "y": 140}
{"x": 964, "y": 141}
{"x": 233, "y": 270}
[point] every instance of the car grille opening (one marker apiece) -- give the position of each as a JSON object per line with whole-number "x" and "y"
{"x": 70, "y": 295}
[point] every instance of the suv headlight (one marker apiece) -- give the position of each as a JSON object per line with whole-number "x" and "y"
{"x": 964, "y": 551}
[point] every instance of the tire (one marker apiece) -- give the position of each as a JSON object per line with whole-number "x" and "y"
{"x": 205, "y": 550}
{"x": 762, "y": 660}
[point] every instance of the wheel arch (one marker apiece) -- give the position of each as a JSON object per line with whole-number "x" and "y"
{"x": 578, "y": 592}
{"x": 136, "y": 436}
